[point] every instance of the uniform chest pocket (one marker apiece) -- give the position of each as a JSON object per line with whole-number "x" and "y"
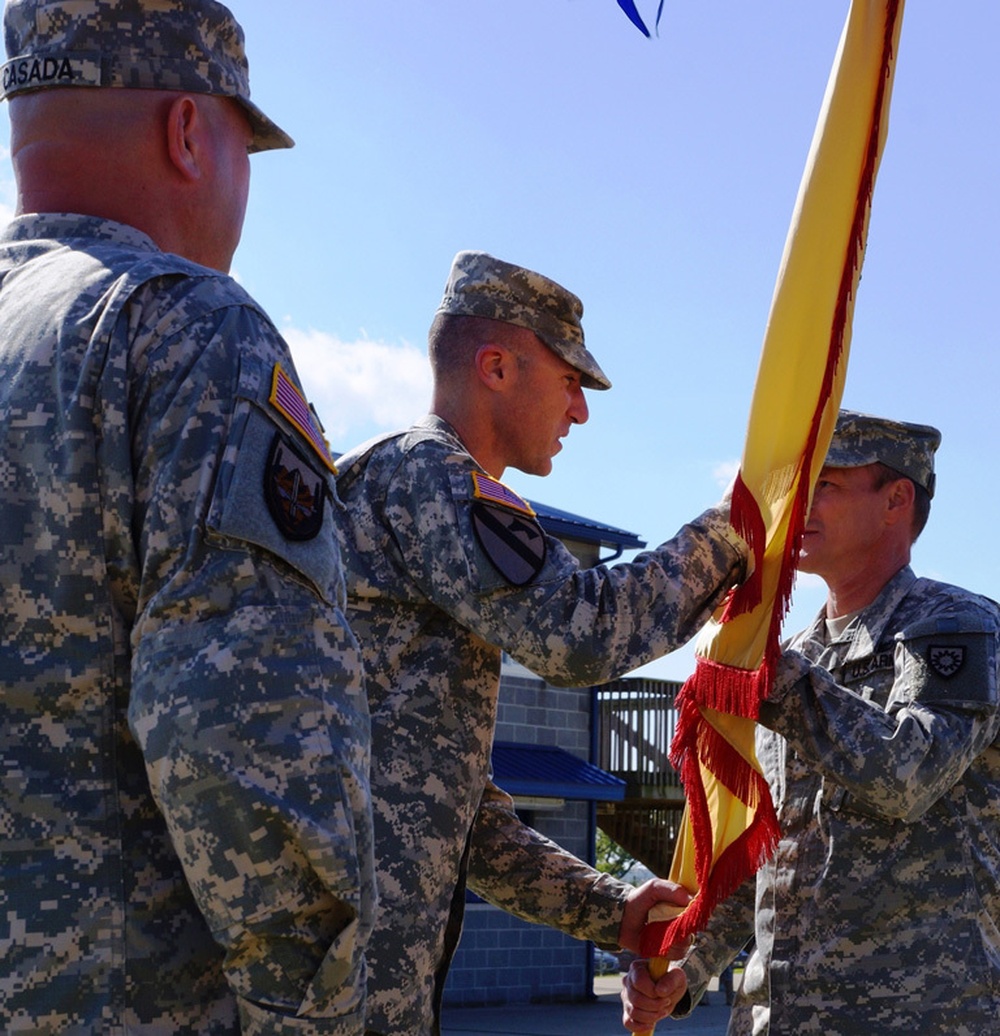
{"x": 839, "y": 800}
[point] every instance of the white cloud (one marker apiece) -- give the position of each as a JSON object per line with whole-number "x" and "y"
{"x": 725, "y": 471}
{"x": 362, "y": 387}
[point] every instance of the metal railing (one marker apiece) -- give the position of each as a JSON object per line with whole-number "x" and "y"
{"x": 636, "y": 723}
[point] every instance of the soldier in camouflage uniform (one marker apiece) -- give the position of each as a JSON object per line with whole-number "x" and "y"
{"x": 167, "y": 563}
{"x": 880, "y": 910}
{"x": 446, "y": 568}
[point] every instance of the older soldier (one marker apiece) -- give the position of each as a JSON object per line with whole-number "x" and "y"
{"x": 167, "y": 549}
{"x": 446, "y": 568}
{"x": 880, "y": 910}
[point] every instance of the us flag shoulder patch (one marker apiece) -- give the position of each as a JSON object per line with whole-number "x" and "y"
{"x": 287, "y": 400}
{"x": 486, "y": 487}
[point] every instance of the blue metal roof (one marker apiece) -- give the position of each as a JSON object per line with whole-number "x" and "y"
{"x": 562, "y": 523}
{"x": 573, "y": 526}
{"x": 550, "y": 772}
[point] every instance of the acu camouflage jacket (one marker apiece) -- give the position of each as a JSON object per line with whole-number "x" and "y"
{"x": 880, "y": 910}
{"x": 153, "y": 575}
{"x": 446, "y": 568}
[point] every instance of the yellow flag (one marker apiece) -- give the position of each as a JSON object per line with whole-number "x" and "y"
{"x": 729, "y": 826}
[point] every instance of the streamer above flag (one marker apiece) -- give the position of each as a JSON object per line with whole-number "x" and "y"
{"x": 729, "y": 826}
{"x": 635, "y": 18}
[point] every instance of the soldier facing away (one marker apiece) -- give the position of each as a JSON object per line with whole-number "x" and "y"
{"x": 172, "y": 618}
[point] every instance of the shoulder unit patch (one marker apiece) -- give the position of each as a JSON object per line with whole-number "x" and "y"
{"x": 513, "y": 541}
{"x": 946, "y": 660}
{"x": 295, "y": 492}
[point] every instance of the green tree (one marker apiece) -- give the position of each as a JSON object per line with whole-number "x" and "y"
{"x": 611, "y": 857}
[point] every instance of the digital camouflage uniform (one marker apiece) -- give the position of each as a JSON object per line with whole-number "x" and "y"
{"x": 435, "y": 592}
{"x": 166, "y": 554}
{"x": 880, "y": 910}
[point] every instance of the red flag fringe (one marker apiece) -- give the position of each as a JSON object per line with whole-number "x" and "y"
{"x": 738, "y": 691}
{"x": 746, "y": 518}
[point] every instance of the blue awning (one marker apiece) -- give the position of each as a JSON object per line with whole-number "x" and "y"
{"x": 564, "y": 525}
{"x": 545, "y": 771}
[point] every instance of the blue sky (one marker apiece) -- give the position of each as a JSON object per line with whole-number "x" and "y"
{"x": 656, "y": 179}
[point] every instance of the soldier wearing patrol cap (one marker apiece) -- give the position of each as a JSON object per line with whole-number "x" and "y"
{"x": 446, "y": 568}
{"x": 880, "y": 910}
{"x": 172, "y": 596}
{"x": 861, "y": 439}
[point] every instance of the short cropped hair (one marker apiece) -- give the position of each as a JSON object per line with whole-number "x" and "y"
{"x": 882, "y": 475}
{"x": 454, "y": 338}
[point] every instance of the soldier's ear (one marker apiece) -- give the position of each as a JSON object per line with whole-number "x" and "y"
{"x": 495, "y": 366}
{"x": 900, "y": 500}
{"x": 183, "y": 127}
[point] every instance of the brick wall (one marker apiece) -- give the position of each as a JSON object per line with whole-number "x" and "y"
{"x": 501, "y": 959}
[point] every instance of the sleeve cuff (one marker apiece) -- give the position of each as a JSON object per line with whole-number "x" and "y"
{"x": 716, "y": 521}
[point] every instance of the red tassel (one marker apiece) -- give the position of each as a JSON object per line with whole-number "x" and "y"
{"x": 726, "y": 688}
{"x": 740, "y": 860}
{"x": 736, "y": 691}
{"x": 746, "y": 519}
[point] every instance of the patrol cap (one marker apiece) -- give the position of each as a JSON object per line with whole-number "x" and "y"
{"x": 480, "y": 285}
{"x": 192, "y": 46}
{"x": 861, "y": 439}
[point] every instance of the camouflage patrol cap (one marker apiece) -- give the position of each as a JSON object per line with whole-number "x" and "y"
{"x": 861, "y": 439}
{"x": 480, "y": 285}
{"x": 192, "y": 46}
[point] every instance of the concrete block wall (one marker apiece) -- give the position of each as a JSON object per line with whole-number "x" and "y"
{"x": 501, "y": 959}
{"x": 532, "y": 712}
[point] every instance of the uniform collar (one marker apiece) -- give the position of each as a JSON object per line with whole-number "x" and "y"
{"x": 71, "y": 225}
{"x": 861, "y": 637}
